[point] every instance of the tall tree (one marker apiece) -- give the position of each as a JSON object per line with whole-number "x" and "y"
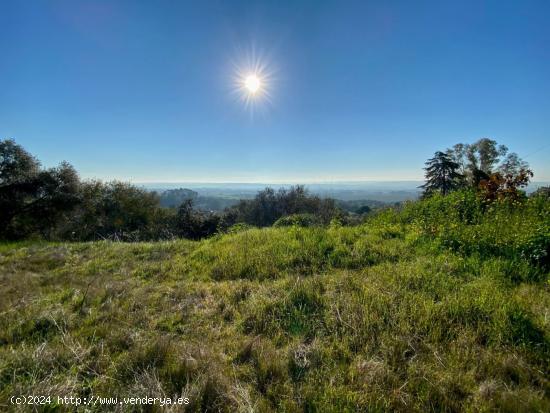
{"x": 441, "y": 174}
{"x": 16, "y": 164}
{"x": 512, "y": 165}
{"x": 458, "y": 154}
{"x": 479, "y": 160}
{"x": 485, "y": 155}
{"x": 32, "y": 199}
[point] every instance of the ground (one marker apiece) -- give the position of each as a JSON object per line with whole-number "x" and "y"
{"x": 334, "y": 319}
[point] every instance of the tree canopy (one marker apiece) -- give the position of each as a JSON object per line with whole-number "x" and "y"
{"x": 484, "y": 165}
{"x": 33, "y": 199}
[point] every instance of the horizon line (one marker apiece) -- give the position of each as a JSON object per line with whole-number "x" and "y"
{"x": 292, "y": 182}
{"x": 278, "y": 181}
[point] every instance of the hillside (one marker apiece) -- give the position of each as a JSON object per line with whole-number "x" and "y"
{"x": 441, "y": 306}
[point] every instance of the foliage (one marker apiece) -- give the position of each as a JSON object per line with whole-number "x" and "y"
{"x": 268, "y": 206}
{"x": 365, "y": 209}
{"x": 441, "y": 175}
{"x": 483, "y": 165}
{"x": 360, "y": 206}
{"x": 33, "y": 200}
{"x": 484, "y": 154}
{"x": 300, "y": 220}
{"x": 469, "y": 224}
{"x": 482, "y": 159}
{"x": 439, "y": 305}
{"x": 499, "y": 186}
{"x": 54, "y": 204}
{"x": 194, "y": 224}
{"x": 16, "y": 164}
{"x": 113, "y": 210}
{"x": 543, "y": 192}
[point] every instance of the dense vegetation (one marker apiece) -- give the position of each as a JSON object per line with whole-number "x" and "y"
{"x": 282, "y": 302}
{"x": 483, "y": 165}
{"x": 55, "y": 204}
{"x": 441, "y": 305}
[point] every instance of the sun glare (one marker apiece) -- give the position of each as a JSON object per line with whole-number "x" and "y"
{"x": 253, "y": 80}
{"x": 252, "y": 83}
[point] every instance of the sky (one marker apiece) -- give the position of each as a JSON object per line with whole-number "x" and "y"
{"x": 149, "y": 91}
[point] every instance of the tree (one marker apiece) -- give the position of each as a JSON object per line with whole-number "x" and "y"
{"x": 16, "y": 164}
{"x": 441, "y": 174}
{"x": 365, "y": 209}
{"x": 194, "y": 224}
{"x": 57, "y": 194}
{"x": 512, "y": 165}
{"x": 116, "y": 210}
{"x": 499, "y": 186}
{"x": 484, "y": 155}
{"x": 186, "y": 220}
{"x": 33, "y": 199}
{"x": 458, "y": 154}
{"x": 477, "y": 161}
{"x": 269, "y": 205}
{"x": 481, "y": 159}
{"x": 17, "y": 169}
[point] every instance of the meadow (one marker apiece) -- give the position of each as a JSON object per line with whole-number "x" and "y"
{"x": 440, "y": 305}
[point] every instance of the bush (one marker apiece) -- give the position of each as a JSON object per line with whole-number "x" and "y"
{"x": 268, "y": 206}
{"x": 300, "y": 220}
{"x": 467, "y": 224}
{"x": 117, "y": 211}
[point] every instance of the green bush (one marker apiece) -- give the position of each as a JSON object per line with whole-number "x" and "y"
{"x": 468, "y": 225}
{"x": 300, "y": 220}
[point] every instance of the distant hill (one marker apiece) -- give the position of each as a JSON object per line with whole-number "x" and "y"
{"x": 216, "y": 197}
{"x": 172, "y": 198}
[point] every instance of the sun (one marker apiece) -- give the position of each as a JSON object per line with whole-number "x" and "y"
{"x": 252, "y": 83}
{"x": 253, "y": 80}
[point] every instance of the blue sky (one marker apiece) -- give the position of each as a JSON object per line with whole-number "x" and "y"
{"x": 144, "y": 91}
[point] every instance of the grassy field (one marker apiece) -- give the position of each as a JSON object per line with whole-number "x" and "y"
{"x": 443, "y": 306}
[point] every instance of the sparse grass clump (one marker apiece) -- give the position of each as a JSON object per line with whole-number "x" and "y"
{"x": 442, "y": 306}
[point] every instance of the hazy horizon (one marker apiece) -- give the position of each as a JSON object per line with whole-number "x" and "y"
{"x": 412, "y": 185}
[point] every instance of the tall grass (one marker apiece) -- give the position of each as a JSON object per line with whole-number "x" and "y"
{"x": 440, "y": 306}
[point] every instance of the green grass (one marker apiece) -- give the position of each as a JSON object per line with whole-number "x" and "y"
{"x": 408, "y": 312}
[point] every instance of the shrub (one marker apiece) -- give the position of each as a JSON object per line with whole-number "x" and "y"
{"x": 300, "y": 220}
